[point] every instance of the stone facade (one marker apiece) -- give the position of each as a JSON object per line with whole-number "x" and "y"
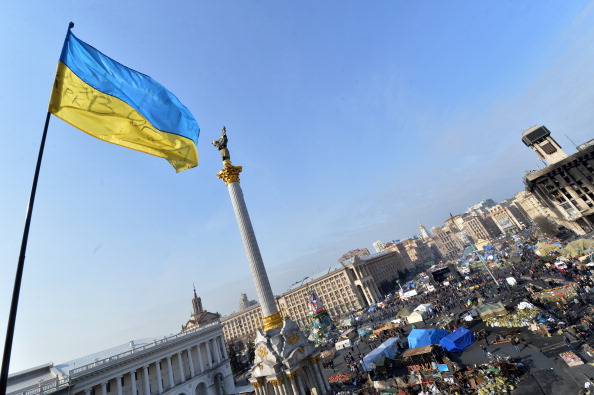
{"x": 194, "y": 362}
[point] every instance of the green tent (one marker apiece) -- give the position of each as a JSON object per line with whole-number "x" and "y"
{"x": 405, "y": 312}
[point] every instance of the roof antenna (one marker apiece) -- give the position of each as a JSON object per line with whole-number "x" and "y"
{"x": 574, "y": 144}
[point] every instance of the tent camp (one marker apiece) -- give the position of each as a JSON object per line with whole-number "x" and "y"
{"x": 417, "y": 316}
{"x": 388, "y": 349}
{"x": 457, "y": 341}
{"x": 425, "y": 337}
{"x": 577, "y": 246}
{"x": 489, "y": 310}
{"x": 404, "y": 312}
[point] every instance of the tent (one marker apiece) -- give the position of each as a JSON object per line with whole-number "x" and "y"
{"x": 457, "y": 341}
{"x": 387, "y": 349}
{"x": 404, "y": 312}
{"x": 417, "y": 316}
{"x": 425, "y": 337}
{"x": 424, "y": 307}
{"x": 489, "y": 310}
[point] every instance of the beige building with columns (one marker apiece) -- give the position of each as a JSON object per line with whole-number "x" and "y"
{"x": 194, "y": 362}
{"x": 343, "y": 288}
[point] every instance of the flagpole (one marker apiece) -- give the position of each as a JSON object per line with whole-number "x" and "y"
{"x": 19, "y": 273}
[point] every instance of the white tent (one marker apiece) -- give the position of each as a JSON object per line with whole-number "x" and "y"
{"x": 417, "y": 316}
{"x": 424, "y": 307}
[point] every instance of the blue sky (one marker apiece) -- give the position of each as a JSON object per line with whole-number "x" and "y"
{"x": 353, "y": 121}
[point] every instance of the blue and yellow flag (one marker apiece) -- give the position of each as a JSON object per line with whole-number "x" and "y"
{"x": 107, "y": 100}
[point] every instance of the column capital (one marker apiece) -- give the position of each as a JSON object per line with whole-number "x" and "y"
{"x": 229, "y": 173}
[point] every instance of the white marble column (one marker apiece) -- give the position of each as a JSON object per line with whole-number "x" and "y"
{"x": 191, "y": 362}
{"x": 181, "y": 367}
{"x": 159, "y": 377}
{"x": 218, "y": 347}
{"x": 147, "y": 386}
{"x": 119, "y": 384}
{"x": 208, "y": 354}
{"x": 250, "y": 244}
{"x": 222, "y": 342}
{"x": 103, "y": 388}
{"x": 200, "y": 363}
{"x": 217, "y": 350}
{"x": 169, "y": 373}
{"x": 133, "y": 382}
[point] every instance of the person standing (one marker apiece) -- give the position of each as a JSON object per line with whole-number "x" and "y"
{"x": 484, "y": 348}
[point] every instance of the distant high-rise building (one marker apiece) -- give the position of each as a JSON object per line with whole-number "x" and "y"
{"x": 244, "y": 302}
{"x": 539, "y": 139}
{"x": 379, "y": 246}
{"x": 481, "y": 208}
{"x": 358, "y": 252}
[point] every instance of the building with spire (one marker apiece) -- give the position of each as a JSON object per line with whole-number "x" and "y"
{"x": 424, "y": 232}
{"x": 191, "y": 362}
{"x": 199, "y": 316}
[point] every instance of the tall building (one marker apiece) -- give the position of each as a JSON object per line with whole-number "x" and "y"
{"x": 379, "y": 246}
{"x": 482, "y": 207}
{"x": 336, "y": 287}
{"x": 505, "y": 219}
{"x": 448, "y": 243}
{"x": 191, "y": 362}
{"x": 546, "y": 147}
{"x": 566, "y": 185}
{"x": 478, "y": 228}
{"x": 358, "y": 252}
{"x": 245, "y": 303}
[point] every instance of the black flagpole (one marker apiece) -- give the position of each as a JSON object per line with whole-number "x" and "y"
{"x": 19, "y": 273}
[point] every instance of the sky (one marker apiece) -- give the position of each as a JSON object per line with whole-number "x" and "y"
{"x": 353, "y": 121}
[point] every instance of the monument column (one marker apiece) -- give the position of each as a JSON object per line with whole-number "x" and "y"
{"x": 230, "y": 175}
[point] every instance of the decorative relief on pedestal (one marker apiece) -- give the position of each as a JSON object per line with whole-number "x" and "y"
{"x": 272, "y": 321}
{"x": 293, "y": 338}
{"x": 262, "y": 352}
{"x": 229, "y": 173}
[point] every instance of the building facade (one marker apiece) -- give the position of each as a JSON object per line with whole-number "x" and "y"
{"x": 194, "y": 362}
{"x": 566, "y": 185}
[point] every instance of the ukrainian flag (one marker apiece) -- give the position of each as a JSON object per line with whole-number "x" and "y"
{"x": 107, "y": 100}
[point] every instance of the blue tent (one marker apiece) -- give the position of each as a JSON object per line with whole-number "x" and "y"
{"x": 425, "y": 337}
{"x": 388, "y": 349}
{"x": 457, "y": 341}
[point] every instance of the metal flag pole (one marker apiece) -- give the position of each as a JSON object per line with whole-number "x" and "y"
{"x": 21, "y": 264}
{"x": 19, "y": 273}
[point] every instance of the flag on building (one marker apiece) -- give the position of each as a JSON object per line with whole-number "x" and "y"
{"x": 114, "y": 103}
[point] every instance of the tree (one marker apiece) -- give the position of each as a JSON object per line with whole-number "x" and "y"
{"x": 546, "y": 226}
{"x": 236, "y": 366}
{"x": 251, "y": 352}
